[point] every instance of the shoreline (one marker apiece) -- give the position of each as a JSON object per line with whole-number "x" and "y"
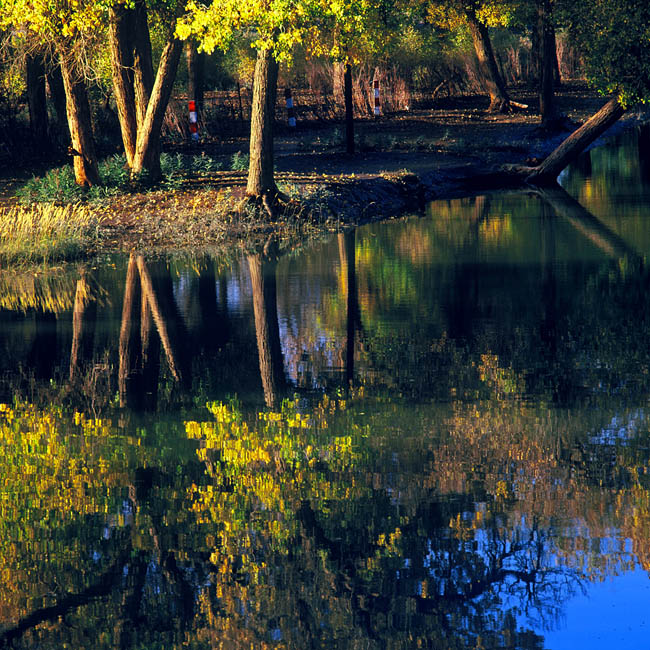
{"x": 463, "y": 154}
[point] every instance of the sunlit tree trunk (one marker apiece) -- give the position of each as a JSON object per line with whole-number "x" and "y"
{"x": 261, "y": 182}
{"x": 120, "y": 39}
{"x": 141, "y": 98}
{"x": 80, "y": 124}
{"x": 147, "y": 153}
{"x": 267, "y": 331}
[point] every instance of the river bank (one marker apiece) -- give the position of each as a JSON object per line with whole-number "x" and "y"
{"x": 403, "y": 161}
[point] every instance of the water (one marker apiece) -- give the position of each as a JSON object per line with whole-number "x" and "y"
{"x": 431, "y": 432}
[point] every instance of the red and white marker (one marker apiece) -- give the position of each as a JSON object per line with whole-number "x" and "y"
{"x": 375, "y": 85}
{"x": 194, "y": 126}
{"x": 291, "y": 111}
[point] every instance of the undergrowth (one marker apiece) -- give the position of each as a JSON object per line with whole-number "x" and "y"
{"x": 58, "y": 185}
{"x": 46, "y": 233}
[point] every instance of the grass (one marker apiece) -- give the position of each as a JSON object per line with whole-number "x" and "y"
{"x": 44, "y": 233}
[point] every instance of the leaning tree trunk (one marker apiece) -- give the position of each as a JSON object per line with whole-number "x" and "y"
{"x": 120, "y": 39}
{"x": 549, "y": 112}
{"x": 349, "y": 109}
{"x": 36, "y": 100}
{"x": 488, "y": 68}
{"x": 261, "y": 182}
{"x": 80, "y": 124}
{"x": 147, "y": 154}
{"x": 574, "y": 145}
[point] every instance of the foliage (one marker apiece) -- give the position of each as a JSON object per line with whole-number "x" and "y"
{"x": 239, "y": 161}
{"x": 614, "y": 38}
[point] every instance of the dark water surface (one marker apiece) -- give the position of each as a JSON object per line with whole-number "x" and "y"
{"x": 432, "y": 432}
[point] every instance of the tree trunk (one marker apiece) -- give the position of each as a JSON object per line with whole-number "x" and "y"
{"x": 80, "y": 124}
{"x": 549, "y": 112}
{"x": 575, "y": 144}
{"x": 120, "y": 39}
{"x": 266, "y": 328}
{"x": 349, "y": 110}
{"x": 195, "y": 73}
{"x": 36, "y": 99}
{"x": 490, "y": 76}
{"x": 143, "y": 74}
{"x": 147, "y": 154}
{"x": 261, "y": 182}
{"x": 57, "y": 95}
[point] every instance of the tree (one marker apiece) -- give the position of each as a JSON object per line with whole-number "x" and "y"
{"x": 350, "y": 32}
{"x": 477, "y": 16}
{"x": 277, "y": 27}
{"x": 338, "y": 29}
{"x": 141, "y": 99}
{"x": 68, "y": 28}
{"x": 547, "y": 65}
{"x": 615, "y": 41}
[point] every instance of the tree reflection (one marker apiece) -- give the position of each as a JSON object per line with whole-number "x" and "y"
{"x": 262, "y": 273}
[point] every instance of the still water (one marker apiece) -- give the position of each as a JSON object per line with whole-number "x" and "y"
{"x": 431, "y": 432}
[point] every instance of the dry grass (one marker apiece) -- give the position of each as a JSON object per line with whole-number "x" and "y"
{"x": 46, "y": 233}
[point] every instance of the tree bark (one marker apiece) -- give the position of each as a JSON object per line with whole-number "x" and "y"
{"x": 575, "y": 144}
{"x": 549, "y": 112}
{"x": 499, "y": 99}
{"x": 266, "y": 328}
{"x": 349, "y": 109}
{"x": 261, "y": 181}
{"x": 147, "y": 154}
{"x": 36, "y": 99}
{"x": 80, "y": 124}
{"x": 143, "y": 74}
{"x": 120, "y": 39}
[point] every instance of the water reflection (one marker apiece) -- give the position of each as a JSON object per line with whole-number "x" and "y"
{"x": 431, "y": 432}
